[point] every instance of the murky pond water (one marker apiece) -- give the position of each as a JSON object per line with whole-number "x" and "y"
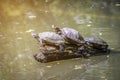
{"x": 18, "y": 18}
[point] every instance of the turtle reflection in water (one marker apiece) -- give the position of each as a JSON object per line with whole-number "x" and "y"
{"x": 51, "y": 39}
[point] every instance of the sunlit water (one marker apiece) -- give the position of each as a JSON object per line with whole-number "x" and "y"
{"x": 18, "y": 18}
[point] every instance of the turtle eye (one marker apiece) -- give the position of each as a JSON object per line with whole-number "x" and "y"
{"x": 59, "y": 33}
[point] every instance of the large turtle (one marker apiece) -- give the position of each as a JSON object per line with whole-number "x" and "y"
{"x": 97, "y": 43}
{"x": 70, "y": 35}
{"x": 51, "y": 39}
{"x": 73, "y": 37}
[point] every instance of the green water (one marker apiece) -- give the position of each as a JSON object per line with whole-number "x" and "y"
{"x": 18, "y": 18}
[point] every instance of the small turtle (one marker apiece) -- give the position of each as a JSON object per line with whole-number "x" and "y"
{"x": 51, "y": 39}
{"x": 97, "y": 43}
{"x": 70, "y": 35}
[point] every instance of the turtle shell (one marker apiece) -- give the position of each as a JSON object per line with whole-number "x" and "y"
{"x": 71, "y": 35}
{"x": 97, "y": 42}
{"x": 51, "y": 38}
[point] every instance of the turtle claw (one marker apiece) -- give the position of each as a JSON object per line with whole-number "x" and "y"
{"x": 86, "y": 54}
{"x": 108, "y": 51}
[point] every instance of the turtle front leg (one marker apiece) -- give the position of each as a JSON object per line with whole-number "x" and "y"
{"x": 42, "y": 46}
{"x": 107, "y": 50}
{"x": 61, "y": 48}
{"x": 84, "y": 51}
{"x": 86, "y": 54}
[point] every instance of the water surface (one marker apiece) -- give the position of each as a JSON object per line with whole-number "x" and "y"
{"x": 18, "y": 18}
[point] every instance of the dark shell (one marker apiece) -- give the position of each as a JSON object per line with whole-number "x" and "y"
{"x": 72, "y": 35}
{"x": 97, "y": 42}
{"x": 51, "y": 38}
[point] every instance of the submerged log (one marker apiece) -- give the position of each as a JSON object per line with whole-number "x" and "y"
{"x": 51, "y": 55}
{"x": 48, "y": 53}
{"x": 55, "y": 55}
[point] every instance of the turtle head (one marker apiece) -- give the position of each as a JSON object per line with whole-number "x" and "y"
{"x": 34, "y": 35}
{"x": 56, "y": 28}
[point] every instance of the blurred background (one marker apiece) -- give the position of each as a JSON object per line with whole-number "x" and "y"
{"x": 18, "y": 18}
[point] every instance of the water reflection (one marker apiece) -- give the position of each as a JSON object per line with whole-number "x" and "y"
{"x": 18, "y": 18}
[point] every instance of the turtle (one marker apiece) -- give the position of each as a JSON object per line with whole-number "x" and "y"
{"x": 97, "y": 44}
{"x": 51, "y": 39}
{"x": 70, "y": 35}
{"x": 73, "y": 37}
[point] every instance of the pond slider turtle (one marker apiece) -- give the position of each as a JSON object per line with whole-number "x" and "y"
{"x": 51, "y": 39}
{"x": 70, "y": 35}
{"x": 97, "y": 43}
